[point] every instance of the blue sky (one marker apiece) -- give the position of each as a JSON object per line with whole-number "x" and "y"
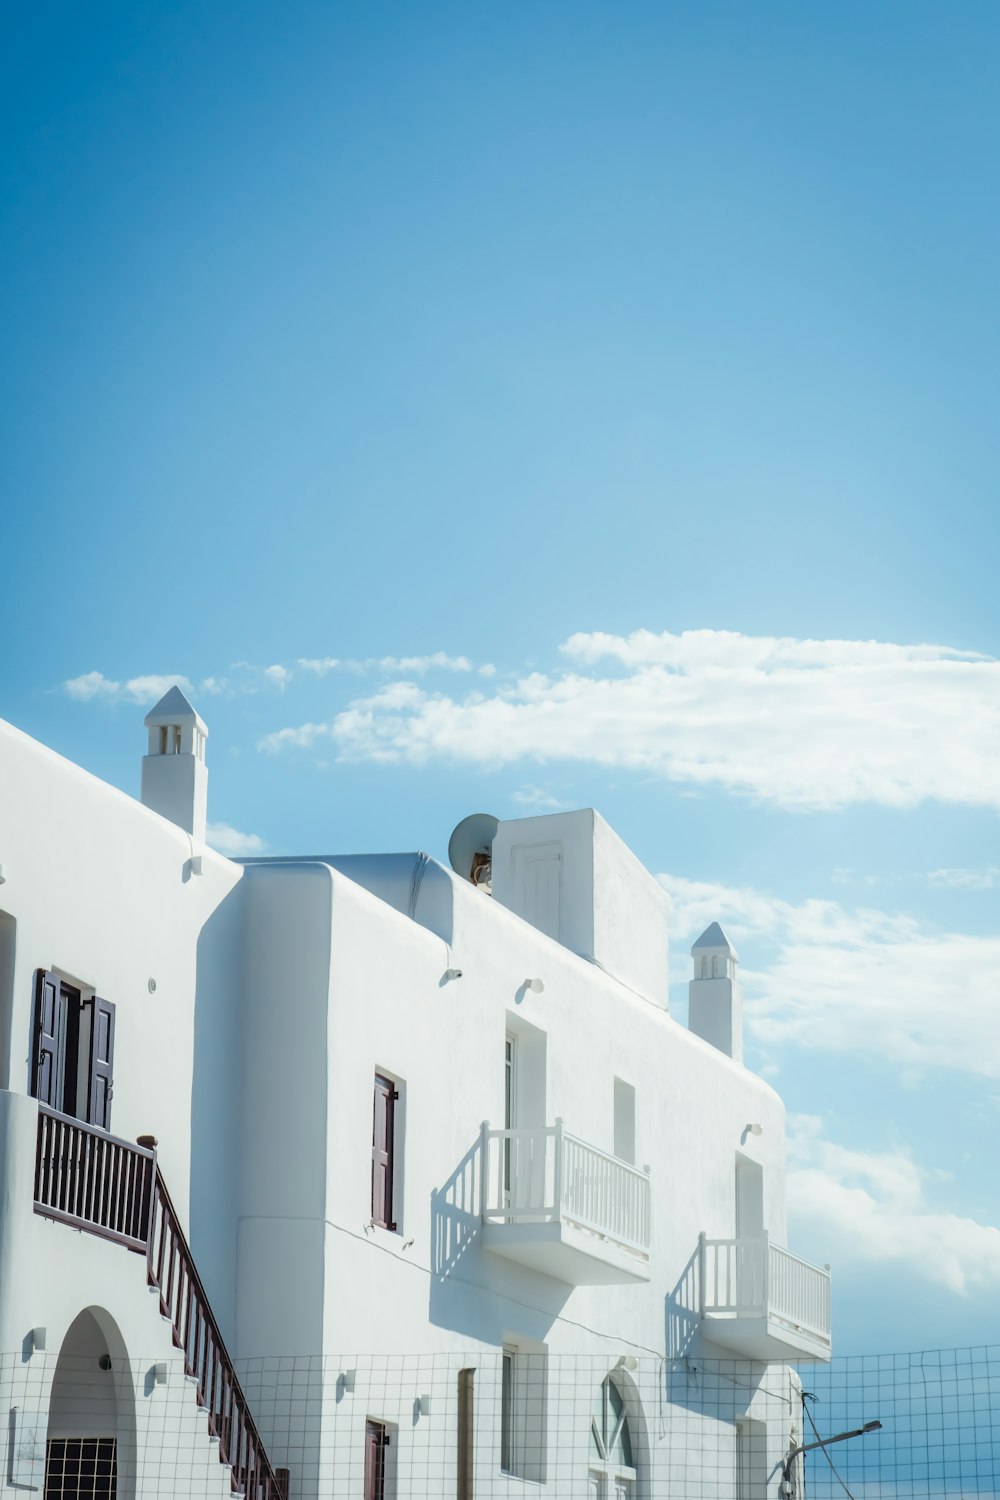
{"x": 542, "y": 406}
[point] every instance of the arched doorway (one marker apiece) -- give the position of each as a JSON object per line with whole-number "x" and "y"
{"x": 613, "y": 1458}
{"x": 90, "y": 1440}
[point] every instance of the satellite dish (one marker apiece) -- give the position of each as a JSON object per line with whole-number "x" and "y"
{"x": 474, "y": 835}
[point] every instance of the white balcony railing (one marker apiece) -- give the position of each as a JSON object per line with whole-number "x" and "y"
{"x": 550, "y": 1176}
{"x": 758, "y": 1279}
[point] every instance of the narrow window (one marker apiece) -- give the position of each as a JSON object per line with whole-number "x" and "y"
{"x": 507, "y": 1412}
{"x": 523, "y": 1411}
{"x": 624, "y": 1121}
{"x": 383, "y": 1151}
{"x": 465, "y": 1434}
{"x": 509, "y": 1105}
{"x": 376, "y": 1443}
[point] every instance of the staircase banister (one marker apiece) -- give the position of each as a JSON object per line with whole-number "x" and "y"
{"x": 191, "y": 1269}
{"x": 136, "y": 1147}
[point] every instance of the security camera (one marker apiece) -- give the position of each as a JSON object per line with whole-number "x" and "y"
{"x": 452, "y": 973}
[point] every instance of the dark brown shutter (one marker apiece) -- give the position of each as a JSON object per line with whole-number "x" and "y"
{"x": 44, "y": 1077}
{"x": 383, "y": 1144}
{"x": 102, "y": 1058}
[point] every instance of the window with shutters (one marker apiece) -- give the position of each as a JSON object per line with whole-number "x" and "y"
{"x": 72, "y": 1052}
{"x": 385, "y": 1152}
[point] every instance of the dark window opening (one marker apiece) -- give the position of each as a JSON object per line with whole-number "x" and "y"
{"x": 507, "y": 1412}
{"x": 465, "y": 1434}
{"x": 376, "y": 1442}
{"x": 81, "y": 1467}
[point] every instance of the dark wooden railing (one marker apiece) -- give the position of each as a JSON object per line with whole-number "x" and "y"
{"x": 93, "y": 1180}
{"x": 110, "y": 1187}
{"x": 171, "y": 1268}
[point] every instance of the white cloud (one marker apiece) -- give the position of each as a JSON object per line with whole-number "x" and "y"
{"x": 136, "y": 690}
{"x": 798, "y": 723}
{"x": 436, "y": 661}
{"x": 969, "y": 880}
{"x": 278, "y": 676}
{"x": 319, "y": 665}
{"x": 536, "y": 799}
{"x": 871, "y": 1207}
{"x": 228, "y": 840}
{"x": 303, "y": 737}
{"x": 854, "y": 980}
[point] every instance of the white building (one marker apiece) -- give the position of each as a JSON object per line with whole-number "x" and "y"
{"x": 470, "y": 1209}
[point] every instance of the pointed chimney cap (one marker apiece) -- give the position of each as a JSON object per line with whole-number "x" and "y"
{"x": 714, "y": 937}
{"x": 174, "y": 708}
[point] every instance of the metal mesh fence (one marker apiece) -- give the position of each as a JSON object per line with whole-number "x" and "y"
{"x": 489, "y": 1424}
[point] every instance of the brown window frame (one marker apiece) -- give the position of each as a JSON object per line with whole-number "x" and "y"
{"x": 376, "y": 1442}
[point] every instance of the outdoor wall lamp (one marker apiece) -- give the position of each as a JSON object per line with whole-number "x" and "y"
{"x": 424, "y": 1405}
{"x": 3, "y": 874}
{"x": 627, "y": 1362}
{"x": 349, "y": 1377}
{"x": 37, "y": 1337}
{"x": 536, "y": 986}
{"x": 754, "y": 1129}
{"x": 160, "y": 1374}
{"x": 453, "y": 973}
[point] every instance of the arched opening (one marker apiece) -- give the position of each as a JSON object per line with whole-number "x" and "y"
{"x": 90, "y": 1440}
{"x": 617, "y": 1466}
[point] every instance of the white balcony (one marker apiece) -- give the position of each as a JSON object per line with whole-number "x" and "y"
{"x": 763, "y": 1302}
{"x": 554, "y": 1203}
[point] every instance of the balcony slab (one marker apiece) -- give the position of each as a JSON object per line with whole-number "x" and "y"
{"x": 765, "y": 1338}
{"x": 566, "y": 1252}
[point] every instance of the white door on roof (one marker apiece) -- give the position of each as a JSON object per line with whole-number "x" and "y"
{"x": 537, "y": 884}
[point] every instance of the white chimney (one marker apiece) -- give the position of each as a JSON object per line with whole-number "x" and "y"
{"x": 715, "y": 1005}
{"x": 174, "y": 773}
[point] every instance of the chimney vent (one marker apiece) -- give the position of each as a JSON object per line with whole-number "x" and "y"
{"x": 174, "y": 773}
{"x": 715, "y": 1005}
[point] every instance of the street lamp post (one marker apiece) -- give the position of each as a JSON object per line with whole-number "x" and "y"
{"x": 788, "y": 1483}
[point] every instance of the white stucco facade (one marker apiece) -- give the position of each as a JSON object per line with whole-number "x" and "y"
{"x": 576, "y": 1178}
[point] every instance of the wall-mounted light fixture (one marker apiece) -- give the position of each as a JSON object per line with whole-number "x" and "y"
{"x": 349, "y": 1377}
{"x": 754, "y": 1129}
{"x": 536, "y": 986}
{"x": 160, "y": 1374}
{"x": 37, "y": 1337}
{"x": 627, "y": 1362}
{"x": 3, "y": 874}
{"x": 424, "y": 1405}
{"x": 453, "y": 973}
